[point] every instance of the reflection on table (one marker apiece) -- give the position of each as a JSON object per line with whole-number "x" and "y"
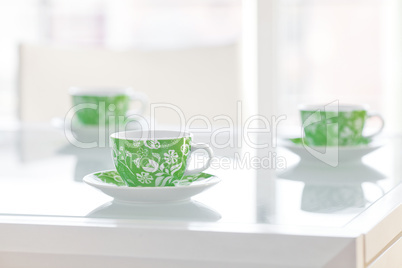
{"x": 183, "y": 211}
{"x": 332, "y": 189}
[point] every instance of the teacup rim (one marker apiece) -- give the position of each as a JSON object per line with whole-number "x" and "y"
{"x": 341, "y": 107}
{"x": 182, "y": 134}
{"x": 102, "y": 91}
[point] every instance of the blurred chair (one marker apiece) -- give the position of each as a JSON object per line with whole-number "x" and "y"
{"x": 200, "y": 81}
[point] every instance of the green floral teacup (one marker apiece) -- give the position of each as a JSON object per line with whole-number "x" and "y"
{"x": 155, "y": 158}
{"x": 336, "y": 125}
{"x": 104, "y": 106}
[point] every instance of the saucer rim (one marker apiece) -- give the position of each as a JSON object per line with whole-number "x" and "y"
{"x": 375, "y": 143}
{"x": 88, "y": 179}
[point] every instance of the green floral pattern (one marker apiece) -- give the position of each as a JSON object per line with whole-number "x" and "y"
{"x": 329, "y": 128}
{"x": 299, "y": 141}
{"x": 113, "y": 177}
{"x": 150, "y": 163}
{"x": 188, "y": 180}
{"x": 110, "y": 177}
{"x": 108, "y": 106}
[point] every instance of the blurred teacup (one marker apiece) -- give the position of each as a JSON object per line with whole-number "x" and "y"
{"x": 104, "y": 106}
{"x": 340, "y": 125}
{"x": 155, "y": 158}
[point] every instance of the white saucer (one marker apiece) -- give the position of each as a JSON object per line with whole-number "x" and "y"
{"x": 189, "y": 186}
{"x": 341, "y": 154}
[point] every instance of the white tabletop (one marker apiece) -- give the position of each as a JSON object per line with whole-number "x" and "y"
{"x": 41, "y": 183}
{"x": 42, "y": 176}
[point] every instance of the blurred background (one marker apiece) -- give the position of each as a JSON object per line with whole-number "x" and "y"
{"x": 201, "y": 55}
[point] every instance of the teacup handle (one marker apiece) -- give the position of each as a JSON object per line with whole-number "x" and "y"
{"x": 138, "y": 97}
{"x": 371, "y": 115}
{"x": 200, "y": 146}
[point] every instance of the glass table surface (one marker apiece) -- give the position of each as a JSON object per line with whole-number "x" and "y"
{"x": 41, "y": 175}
